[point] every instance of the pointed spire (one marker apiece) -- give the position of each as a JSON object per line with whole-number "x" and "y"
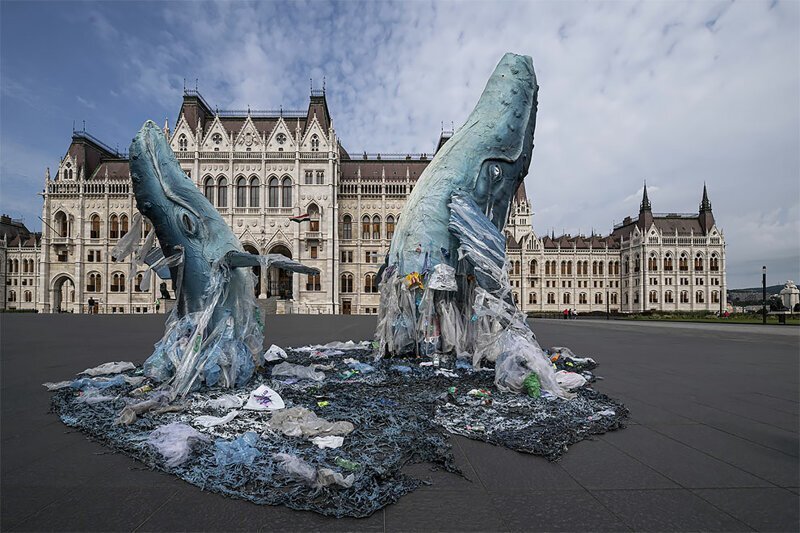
{"x": 645, "y": 211}
{"x": 645, "y": 205}
{"x": 47, "y": 173}
{"x": 166, "y": 127}
{"x": 705, "y": 216}
{"x": 705, "y": 205}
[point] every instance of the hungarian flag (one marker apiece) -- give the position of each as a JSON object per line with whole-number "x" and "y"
{"x": 301, "y": 218}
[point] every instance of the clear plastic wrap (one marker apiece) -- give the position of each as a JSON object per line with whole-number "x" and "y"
{"x": 208, "y": 421}
{"x": 226, "y": 401}
{"x": 296, "y": 467}
{"x": 175, "y": 442}
{"x": 127, "y": 244}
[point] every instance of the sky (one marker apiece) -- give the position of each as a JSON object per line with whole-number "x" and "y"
{"x": 672, "y": 94}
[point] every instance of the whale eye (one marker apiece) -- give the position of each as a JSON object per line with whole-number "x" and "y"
{"x": 188, "y": 224}
{"x": 495, "y": 171}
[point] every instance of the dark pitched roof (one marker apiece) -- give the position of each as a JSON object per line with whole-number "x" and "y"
{"x": 11, "y": 228}
{"x": 511, "y": 243}
{"x": 521, "y": 195}
{"x": 318, "y": 107}
{"x": 88, "y": 152}
{"x": 391, "y": 168}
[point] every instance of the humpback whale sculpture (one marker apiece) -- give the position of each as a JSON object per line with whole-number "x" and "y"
{"x": 444, "y": 285}
{"x": 214, "y": 335}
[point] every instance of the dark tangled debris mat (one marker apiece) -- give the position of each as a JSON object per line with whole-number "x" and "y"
{"x": 401, "y": 411}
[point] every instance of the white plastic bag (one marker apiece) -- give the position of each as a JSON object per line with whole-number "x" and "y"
{"x": 274, "y": 353}
{"x": 264, "y": 399}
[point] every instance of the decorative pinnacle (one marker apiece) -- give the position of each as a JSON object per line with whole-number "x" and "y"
{"x": 645, "y": 205}
{"x": 705, "y": 204}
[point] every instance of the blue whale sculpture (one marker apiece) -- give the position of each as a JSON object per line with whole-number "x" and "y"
{"x": 214, "y": 335}
{"x": 444, "y": 285}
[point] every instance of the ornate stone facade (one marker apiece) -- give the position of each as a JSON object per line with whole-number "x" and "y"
{"x": 261, "y": 168}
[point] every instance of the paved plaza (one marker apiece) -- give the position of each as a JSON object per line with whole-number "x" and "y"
{"x": 712, "y": 443}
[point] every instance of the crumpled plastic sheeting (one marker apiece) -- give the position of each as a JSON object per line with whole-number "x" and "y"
{"x": 297, "y": 371}
{"x": 239, "y": 451}
{"x": 175, "y": 442}
{"x": 399, "y": 417}
{"x": 299, "y": 421}
{"x": 109, "y": 368}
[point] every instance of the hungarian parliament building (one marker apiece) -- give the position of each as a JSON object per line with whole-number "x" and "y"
{"x": 261, "y": 168}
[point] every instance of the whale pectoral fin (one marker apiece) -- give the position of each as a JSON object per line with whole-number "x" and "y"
{"x": 480, "y": 243}
{"x": 244, "y": 259}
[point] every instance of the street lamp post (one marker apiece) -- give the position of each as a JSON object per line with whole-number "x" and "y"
{"x": 764, "y": 293}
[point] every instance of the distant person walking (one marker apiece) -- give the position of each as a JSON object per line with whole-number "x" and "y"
{"x": 566, "y": 314}
{"x": 158, "y": 305}
{"x": 91, "y": 305}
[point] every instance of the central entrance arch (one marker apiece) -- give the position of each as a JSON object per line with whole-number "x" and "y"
{"x": 63, "y": 295}
{"x": 279, "y": 282}
{"x": 249, "y": 248}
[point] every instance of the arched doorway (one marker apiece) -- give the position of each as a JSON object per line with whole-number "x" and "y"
{"x": 249, "y": 248}
{"x": 63, "y": 295}
{"x": 279, "y": 282}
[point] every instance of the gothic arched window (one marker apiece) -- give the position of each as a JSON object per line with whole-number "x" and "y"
{"x": 389, "y": 227}
{"x": 255, "y": 191}
{"x": 94, "y": 227}
{"x": 365, "y": 227}
{"x": 113, "y": 225}
{"x": 182, "y": 142}
{"x": 208, "y": 189}
{"x": 286, "y": 192}
{"x": 376, "y": 227}
{"x": 370, "y": 283}
{"x": 347, "y": 227}
{"x": 274, "y": 192}
{"x": 314, "y": 143}
{"x": 123, "y": 225}
{"x": 222, "y": 192}
{"x": 241, "y": 192}
{"x": 347, "y": 282}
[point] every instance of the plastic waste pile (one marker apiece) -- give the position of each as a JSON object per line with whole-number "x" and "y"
{"x": 329, "y": 428}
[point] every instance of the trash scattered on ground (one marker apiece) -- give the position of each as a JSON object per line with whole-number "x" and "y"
{"x": 337, "y": 445}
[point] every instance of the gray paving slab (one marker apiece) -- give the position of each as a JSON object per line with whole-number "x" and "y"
{"x": 617, "y": 470}
{"x": 763, "y": 462}
{"x": 767, "y": 509}
{"x": 682, "y": 464}
{"x": 711, "y": 442}
{"x": 572, "y": 510}
{"x": 667, "y": 510}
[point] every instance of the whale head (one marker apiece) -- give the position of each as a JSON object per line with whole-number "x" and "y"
{"x": 491, "y": 152}
{"x": 184, "y": 220}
